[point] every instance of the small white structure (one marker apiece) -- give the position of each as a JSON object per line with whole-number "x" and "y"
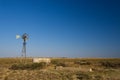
{"x": 38, "y": 60}
{"x": 58, "y": 67}
{"x": 90, "y": 70}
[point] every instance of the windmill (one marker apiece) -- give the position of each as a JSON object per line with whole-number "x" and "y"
{"x": 25, "y": 38}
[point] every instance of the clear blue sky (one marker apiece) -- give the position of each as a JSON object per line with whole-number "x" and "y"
{"x": 61, "y": 28}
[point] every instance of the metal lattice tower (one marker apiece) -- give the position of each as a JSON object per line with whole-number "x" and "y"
{"x": 25, "y": 38}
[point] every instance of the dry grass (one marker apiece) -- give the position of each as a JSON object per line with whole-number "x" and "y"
{"x": 63, "y": 69}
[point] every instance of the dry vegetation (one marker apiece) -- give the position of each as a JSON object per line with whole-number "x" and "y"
{"x": 60, "y": 69}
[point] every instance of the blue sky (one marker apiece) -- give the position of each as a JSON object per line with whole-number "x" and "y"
{"x": 61, "y": 28}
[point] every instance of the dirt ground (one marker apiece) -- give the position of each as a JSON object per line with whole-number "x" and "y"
{"x": 69, "y": 71}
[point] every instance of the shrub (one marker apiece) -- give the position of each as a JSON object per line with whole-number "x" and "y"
{"x": 97, "y": 77}
{"x": 61, "y": 64}
{"x": 82, "y": 62}
{"x": 108, "y": 64}
{"x": 54, "y": 62}
{"x": 58, "y": 63}
{"x": 82, "y": 76}
{"x": 28, "y": 66}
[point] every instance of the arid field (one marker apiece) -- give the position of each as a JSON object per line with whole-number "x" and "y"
{"x": 60, "y": 69}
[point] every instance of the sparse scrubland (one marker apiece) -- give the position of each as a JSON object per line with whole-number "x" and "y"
{"x": 60, "y": 69}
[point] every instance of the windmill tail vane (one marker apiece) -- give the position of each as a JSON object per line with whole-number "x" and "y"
{"x": 17, "y": 36}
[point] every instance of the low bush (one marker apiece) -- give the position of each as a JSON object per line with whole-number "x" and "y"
{"x": 58, "y": 63}
{"x": 82, "y": 62}
{"x": 108, "y": 64}
{"x": 83, "y": 76}
{"x": 28, "y": 66}
{"x": 97, "y": 77}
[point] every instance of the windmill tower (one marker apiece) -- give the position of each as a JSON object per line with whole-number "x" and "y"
{"x": 25, "y": 38}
